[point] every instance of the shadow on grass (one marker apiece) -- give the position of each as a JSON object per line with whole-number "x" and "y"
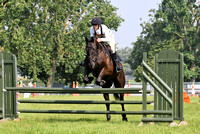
{"x": 53, "y": 120}
{"x": 88, "y": 120}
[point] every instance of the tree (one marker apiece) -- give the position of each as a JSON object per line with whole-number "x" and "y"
{"x": 175, "y": 25}
{"x": 183, "y": 22}
{"x": 48, "y": 36}
{"x": 124, "y": 54}
{"x": 152, "y": 40}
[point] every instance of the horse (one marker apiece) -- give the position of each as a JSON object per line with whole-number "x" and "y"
{"x": 99, "y": 62}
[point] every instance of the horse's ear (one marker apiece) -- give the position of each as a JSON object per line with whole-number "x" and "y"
{"x": 86, "y": 39}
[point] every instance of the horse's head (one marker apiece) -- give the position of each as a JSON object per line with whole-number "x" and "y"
{"x": 91, "y": 44}
{"x": 92, "y": 48}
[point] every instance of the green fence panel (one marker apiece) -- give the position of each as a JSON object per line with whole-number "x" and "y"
{"x": 144, "y": 88}
{"x": 10, "y": 71}
{"x": 169, "y": 66}
{"x": 168, "y": 84}
{"x": 1, "y": 85}
{"x": 161, "y": 91}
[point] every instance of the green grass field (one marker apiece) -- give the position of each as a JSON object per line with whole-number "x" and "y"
{"x": 95, "y": 124}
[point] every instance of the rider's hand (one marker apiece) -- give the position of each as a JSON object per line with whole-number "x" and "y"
{"x": 99, "y": 40}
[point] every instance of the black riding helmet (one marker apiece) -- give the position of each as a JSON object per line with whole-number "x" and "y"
{"x": 96, "y": 21}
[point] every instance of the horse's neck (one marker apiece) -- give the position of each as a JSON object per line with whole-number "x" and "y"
{"x": 106, "y": 50}
{"x": 99, "y": 46}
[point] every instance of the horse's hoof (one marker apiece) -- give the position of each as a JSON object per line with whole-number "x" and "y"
{"x": 108, "y": 117}
{"x": 98, "y": 83}
{"x": 103, "y": 82}
{"x": 124, "y": 119}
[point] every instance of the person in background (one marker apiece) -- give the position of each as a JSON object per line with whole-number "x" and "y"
{"x": 30, "y": 84}
{"x": 20, "y": 83}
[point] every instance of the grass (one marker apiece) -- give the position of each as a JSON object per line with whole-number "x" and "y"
{"x": 95, "y": 124}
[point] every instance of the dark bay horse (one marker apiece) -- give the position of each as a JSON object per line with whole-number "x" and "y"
{"x": 99, "y": 62}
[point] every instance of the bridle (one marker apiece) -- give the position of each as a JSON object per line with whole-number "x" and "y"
{"x": 96, "y": 52}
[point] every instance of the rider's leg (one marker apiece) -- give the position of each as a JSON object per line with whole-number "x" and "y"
{"x": 117, "y": 61}
{"x": 114, "y": 55}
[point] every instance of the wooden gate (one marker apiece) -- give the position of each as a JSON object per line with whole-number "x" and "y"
{"x": 169, "y": 66}
{"x": 8, "y": 69}
{"x": 1, "y": 85}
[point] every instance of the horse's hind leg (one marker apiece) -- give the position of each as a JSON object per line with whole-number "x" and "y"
{"x": 124, "y": 118}
{"x": 120, "y": 83}
{"x": 106, "y": 97}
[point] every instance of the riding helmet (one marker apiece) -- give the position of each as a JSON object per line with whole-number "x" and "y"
{"x": 96, "y": 21}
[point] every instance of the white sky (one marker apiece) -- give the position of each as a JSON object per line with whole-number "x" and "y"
{"x": 131, "y": 11}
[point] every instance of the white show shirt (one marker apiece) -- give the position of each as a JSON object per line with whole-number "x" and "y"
{"x": 109, "y": 37}
{"x": 106, "y": 31}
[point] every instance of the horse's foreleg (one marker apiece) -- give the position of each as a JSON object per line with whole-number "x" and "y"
{"x": 99, "y": 81}
{"x": 106, "y": 97}
{"x": 124, "y": 118}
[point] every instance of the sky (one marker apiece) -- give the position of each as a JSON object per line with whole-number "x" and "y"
{"x": 131, "y": 11}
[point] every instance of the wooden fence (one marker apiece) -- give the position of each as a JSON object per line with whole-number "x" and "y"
{"x": 167, "y": 83}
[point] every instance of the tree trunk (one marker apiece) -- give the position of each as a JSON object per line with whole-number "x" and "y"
{"x": 193, "y": 67}
{"x": 51, "y": 78}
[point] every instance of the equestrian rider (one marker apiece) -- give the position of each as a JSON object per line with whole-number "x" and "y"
{"x": 104, "y": 34}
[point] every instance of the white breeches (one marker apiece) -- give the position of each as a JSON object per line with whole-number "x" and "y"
{"x": 112, "y": 43}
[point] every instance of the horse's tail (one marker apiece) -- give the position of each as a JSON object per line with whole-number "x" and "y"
{"x": 116, "y": 96}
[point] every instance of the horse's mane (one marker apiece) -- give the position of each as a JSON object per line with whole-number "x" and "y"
{"x": 92, "y": 39}
{"x": 102, "y": 46}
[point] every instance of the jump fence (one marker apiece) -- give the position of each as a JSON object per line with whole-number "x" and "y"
{"x": 167, "y": 81}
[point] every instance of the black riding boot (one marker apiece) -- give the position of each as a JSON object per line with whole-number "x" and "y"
{"x": 116, "y": 60}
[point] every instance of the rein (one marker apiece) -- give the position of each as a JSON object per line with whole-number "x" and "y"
{"x": 103, "y": 47}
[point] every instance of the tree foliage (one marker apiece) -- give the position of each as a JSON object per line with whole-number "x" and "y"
{"x": 175, "y": 25}
{"x": 48, "y": 37}
{"x": 124, "y": 54}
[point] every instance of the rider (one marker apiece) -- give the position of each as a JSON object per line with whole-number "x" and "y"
{"x": 104, "y": 34}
